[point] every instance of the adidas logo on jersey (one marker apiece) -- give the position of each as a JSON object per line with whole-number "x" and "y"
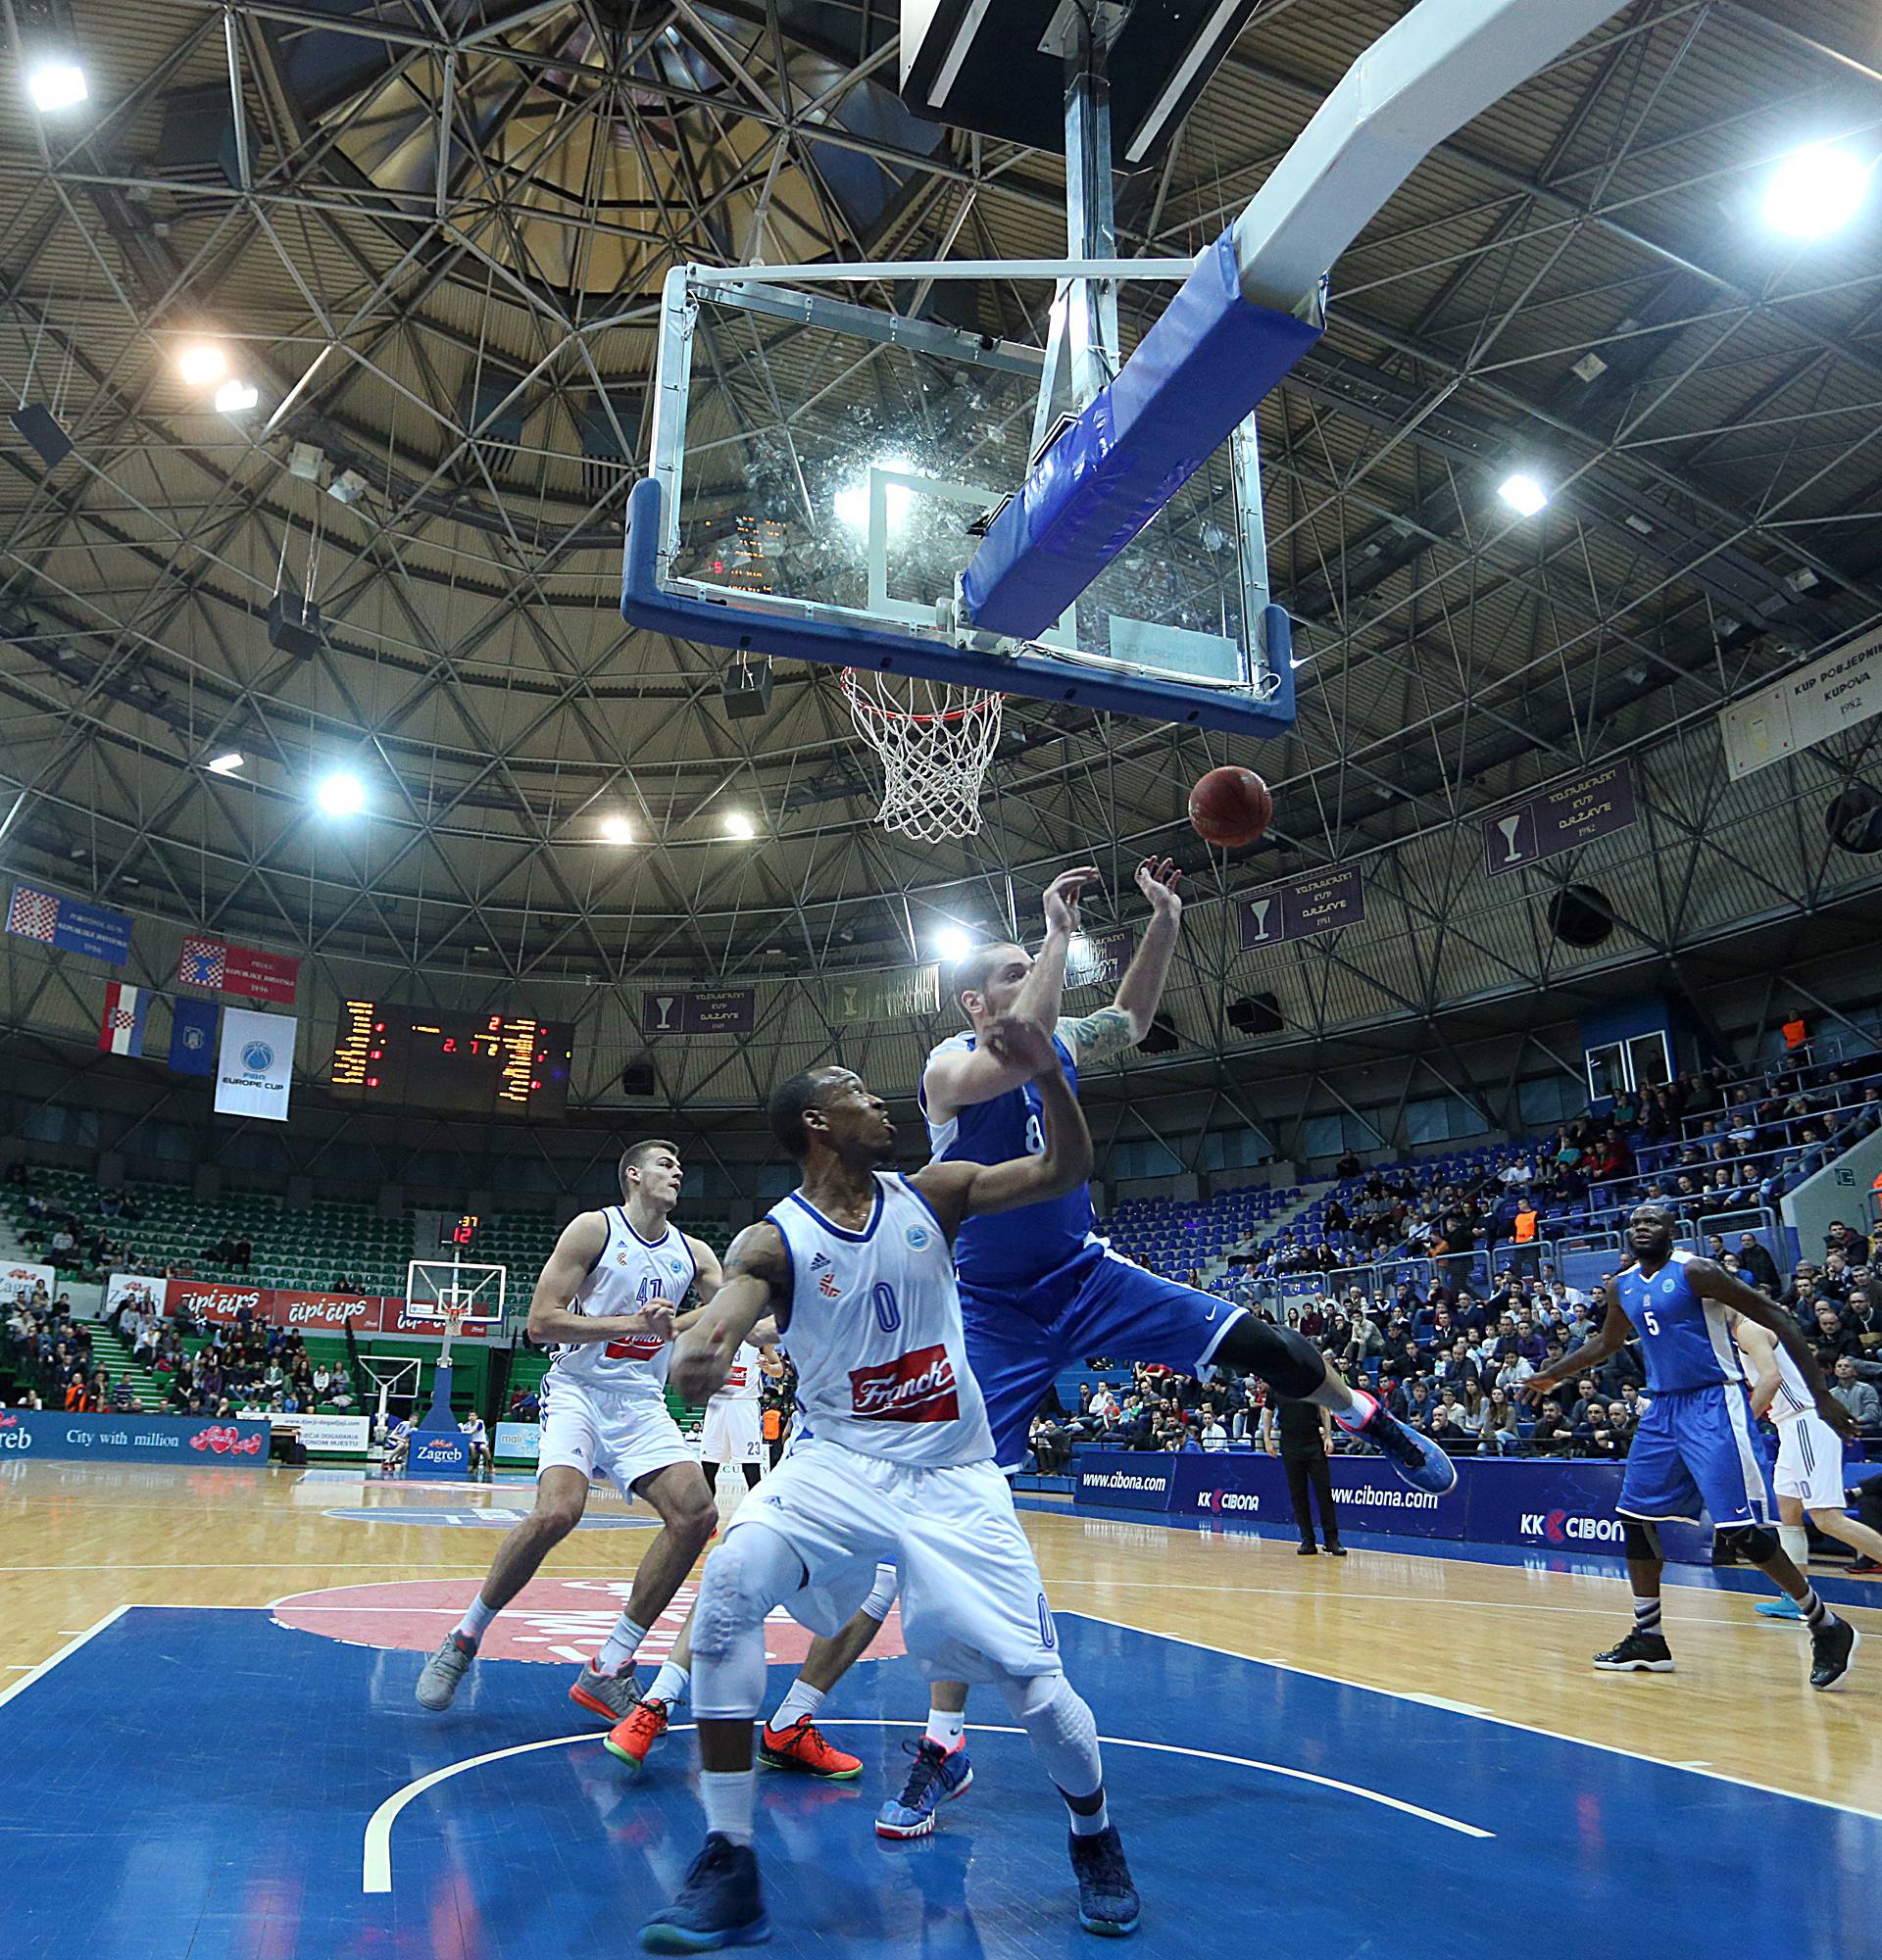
{"x": 822, "y": 1260}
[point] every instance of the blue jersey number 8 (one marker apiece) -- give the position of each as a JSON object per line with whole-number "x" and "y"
{"x": 1035, "y": 1136}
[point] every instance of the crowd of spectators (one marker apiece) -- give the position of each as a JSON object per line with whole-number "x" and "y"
{"x": 91, "y": 1239}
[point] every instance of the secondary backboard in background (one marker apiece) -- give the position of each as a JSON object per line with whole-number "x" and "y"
{"x": 830, "y": 462}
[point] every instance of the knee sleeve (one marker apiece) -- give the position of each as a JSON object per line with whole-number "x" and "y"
{"x": 1640, "y": 1540}
{"x": 1287, "y": 1360}
{"x": 1796, "y": 1539}
{"x": 1758, "y": 1543}
{"x": 1061, "y": 1728}
{"x": 883, "y": 1593}
{"x": 752, "y": 1571}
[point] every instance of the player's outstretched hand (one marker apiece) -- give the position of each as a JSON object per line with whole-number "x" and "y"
{"x": 1023, "y": 1043}
{"x": 1157, "y": 879}
{"x": 1533, "y": 1390}
{"x": 1838, "y": 1418}
{"x": 1063, "y": 896}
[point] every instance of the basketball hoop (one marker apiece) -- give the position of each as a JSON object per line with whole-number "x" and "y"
{"x": 935, "y": 742}
{"x": 454, "y": 1312}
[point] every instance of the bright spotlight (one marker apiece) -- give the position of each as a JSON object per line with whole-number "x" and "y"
{"x": 340, "y": 793}
{"x": 1815, "y": 191}
{"x": 57, "y": 84}
{"x": 202, "y": 364}
{"x": 952, "y": 945}
{"x": 226, "y": 764}
{"x": 1523, "y": 494}
{"x": 853, "y": 503}
{"x": 617, "y": 830}
{"x": 738, "y": 824}
{"x": 234, "y": 398}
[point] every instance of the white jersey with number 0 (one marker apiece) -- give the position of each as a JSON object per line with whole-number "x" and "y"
{"x": 630, "y": 1272}
{"x": 1793, "y": 1397}
{"x": 874, "y": 1327}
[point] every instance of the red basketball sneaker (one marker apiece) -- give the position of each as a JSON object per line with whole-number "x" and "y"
{"x": 631, "y": 1738}
{"x": 802, "y": 1748}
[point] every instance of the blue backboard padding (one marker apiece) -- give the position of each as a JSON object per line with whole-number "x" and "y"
{"x": 646, "y": 603}
{"x": 1195, "y": 375}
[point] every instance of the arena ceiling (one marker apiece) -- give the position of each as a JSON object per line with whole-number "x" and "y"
{"x": 432, "y": 241}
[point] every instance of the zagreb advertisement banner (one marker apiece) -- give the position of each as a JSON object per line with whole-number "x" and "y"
{"x": 222, "y": 1305}
{"x": 132, "y": 1439}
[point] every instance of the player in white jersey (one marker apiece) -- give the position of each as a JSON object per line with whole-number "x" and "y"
{"x": 894, "y": 1459}
{"x": 607, "y": 1300}
{"x": 479, "y": 1438}
{"x": 732, "y": 1432}
{"x": 1809, "y": 1458}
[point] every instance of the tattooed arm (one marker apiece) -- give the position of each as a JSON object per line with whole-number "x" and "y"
{"x": 1127, "y": 1021}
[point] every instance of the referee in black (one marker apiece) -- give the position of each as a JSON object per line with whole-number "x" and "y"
{"x": 1299, "y": 1434}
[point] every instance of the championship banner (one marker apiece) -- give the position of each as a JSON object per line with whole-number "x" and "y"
{"x": 17, "y": 1280}
{"x": 1098, "y": 958}
{"x": 238, "y": 969}
{"x": 1320, "y": 903}
{"x": 1822, "y": 699}
{"x": 69, "y": 925}
{"x": 256, "y": 1064}
{"x": 886, "y": 997}
{"x": 122, "y": 1031}
{"x": 1560, "y": 819}
{"x": 723, "y": 1010}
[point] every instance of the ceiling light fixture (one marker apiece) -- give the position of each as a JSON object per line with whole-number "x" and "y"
{"x": 617, "y": 830}
{"x": 952, "y": 945}
{"x": 201, "y": 363}
{"x": 234, "y": 398}
{"x": 738, "y": 824}
{"x": 227, "y": 764}
{"x": 1815, "y": 191}
{"x": 57, "y": 84}
{"x": 1523, "y": 494}
{"x": 340, "y": 793}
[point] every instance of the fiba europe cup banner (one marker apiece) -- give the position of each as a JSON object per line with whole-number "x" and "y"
{"x": 256, "y": 1064}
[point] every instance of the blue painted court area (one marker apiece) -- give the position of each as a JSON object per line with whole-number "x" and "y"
{"x": 196, "y": 1783}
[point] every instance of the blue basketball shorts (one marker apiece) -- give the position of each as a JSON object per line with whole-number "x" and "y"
{"x": 1697, "y": 1449}
{"x": 1100, "y": 1304}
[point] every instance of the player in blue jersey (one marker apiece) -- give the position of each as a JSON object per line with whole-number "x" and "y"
{"x": 1695, "y": 1448}
{"x": 1040, "y": 1292}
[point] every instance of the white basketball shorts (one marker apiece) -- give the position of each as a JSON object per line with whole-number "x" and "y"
{"x": 622, "y": 1438}
{"x": 973, "y": 1607}
{"x": 733, "y": 1432}
{"x": 1809, "y": 1463}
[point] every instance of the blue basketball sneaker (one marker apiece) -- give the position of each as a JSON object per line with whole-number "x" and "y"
{"x": 1107, "y": 1898}
{"x": 721, "y": 1904}
{"x": 1784, "y": 1608}
{"x": 938, "y": 1776}
{"x": 1416, "y": 1458}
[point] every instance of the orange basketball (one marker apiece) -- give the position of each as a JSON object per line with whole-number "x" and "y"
{"x": 1231, "y": 807}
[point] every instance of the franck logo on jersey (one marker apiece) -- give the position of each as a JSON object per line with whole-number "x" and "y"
{"x": 917, "y": 1387}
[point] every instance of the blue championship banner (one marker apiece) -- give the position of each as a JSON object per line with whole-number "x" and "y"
{"x": 132, "y": 1439}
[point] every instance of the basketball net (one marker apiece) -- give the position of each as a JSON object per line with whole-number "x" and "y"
{"x": 454, "y": 1313}
{"x": 935, "y": 742}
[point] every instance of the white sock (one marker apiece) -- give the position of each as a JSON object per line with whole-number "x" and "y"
{"x": 1089, "y": 1827}
{"x": 670, "y": 1684}
{"x": 800, "y": 1700}
{"x": 1358, "y": 1408}
{"x": 477, "y": 1618}
{"x": 947, "y": 1727}
{"x": 621, "y": 1645}
{"x": 729, "y": 1796}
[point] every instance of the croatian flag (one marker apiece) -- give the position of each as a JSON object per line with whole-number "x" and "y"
{"x": 122, "y": 1031}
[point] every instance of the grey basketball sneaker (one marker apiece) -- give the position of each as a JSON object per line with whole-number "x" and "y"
{"x": 443, "y": 1671}
{"x": 612, "y": 1696}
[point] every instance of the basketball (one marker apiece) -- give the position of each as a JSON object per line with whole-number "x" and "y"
{"x": 1231, "y": 807}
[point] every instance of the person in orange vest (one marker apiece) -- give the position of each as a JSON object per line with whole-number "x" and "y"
{"x": 1522, "y": 1231}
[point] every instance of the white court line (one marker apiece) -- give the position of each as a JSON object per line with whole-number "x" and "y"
{"x": 1501, "y": 1721}
{"x": 376, "y": 1863}
{"x": 51, "y": 1661}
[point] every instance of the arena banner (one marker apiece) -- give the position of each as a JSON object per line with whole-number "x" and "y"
{"x": 398, "y": 1318}
{"x": 518, "y": 1441}
{"x": 326, "y": 1312}
{"x": 132, "y": 1439}
{"x": 330, "y": 1435}
{"x": 221, "y": 1304}
{"x": 1565, "y": 1506}
{"x": 17, "y": 1279}
{"x": 143, "y": 1289}
{"x": 1371, "y": 1495}
{"x": 1129, "y": 1480}
{"x": 438, "y": 1453}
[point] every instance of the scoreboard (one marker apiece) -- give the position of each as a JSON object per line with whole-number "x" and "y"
{"x": 482, "y": 1065}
